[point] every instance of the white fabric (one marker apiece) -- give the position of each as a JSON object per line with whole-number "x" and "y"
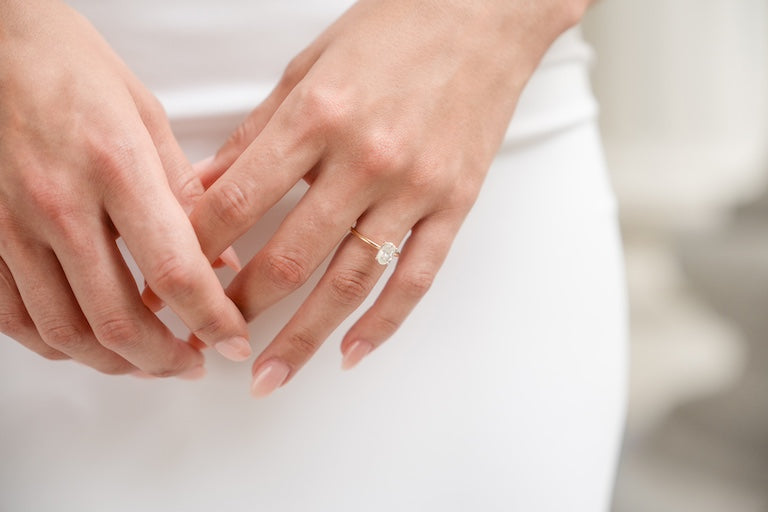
{"x": 503, "y": 391}
{"x": 205, "y": 57}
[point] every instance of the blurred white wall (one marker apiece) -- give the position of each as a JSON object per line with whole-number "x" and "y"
{"x": 682, "y": 84}
{"x": 683, "y": 88}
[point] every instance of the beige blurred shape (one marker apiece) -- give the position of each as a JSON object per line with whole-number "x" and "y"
{"x": 683, "y": 88}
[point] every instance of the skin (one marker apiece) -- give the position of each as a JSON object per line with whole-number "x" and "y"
{"x": 87, "y": 155}
{"x": 393, "y": 115}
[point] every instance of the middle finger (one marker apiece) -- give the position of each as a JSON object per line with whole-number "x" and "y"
{"x": 54, "y": 310}
{"x": 110, "y": 300}
{"x": 303, "y": 241}
{"x": 349, "y": 279}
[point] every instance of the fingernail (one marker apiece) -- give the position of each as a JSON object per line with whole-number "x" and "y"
{"x": 202, "y": 164}
{"x": 236, "y": 349}
{"x": 355, "y": 353}
{"x": 268, "y": 378}
{"x": 151, "y": 300}
{"x": 195, "y": 342}
{"x": 195, "y": 373}
{"x": 230, "y": 259}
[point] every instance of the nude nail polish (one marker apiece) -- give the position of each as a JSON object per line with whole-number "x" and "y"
{"x": 235, "y": 349}
{"x": 195, "y": 373}
{"x": 355, "y": 353}
{"x": 269, "y": 377}
{"x": 203, "y": 164}
{"x": 151, "y": 300}
{"x": 229, "y": 258}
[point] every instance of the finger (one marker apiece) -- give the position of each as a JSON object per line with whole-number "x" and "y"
{"x": 347, "y": 282}
{"x": 15, "y": 321}
{"x": 228, "y": 258}
{"x": 53, "y": 308}
{"x": 242, "y": 137}
{"x": 195, "y": 342}
{"x": 260, "y": 177}
{"x": 303, "y": 241}
{"x": 158, "y": 234}
{"x": 110, "y": 301}
{"x": 183, "y": 178}
{"x": 423, "y": 255}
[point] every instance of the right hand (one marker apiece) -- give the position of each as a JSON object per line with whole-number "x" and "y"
{"x": 87, "y": 155}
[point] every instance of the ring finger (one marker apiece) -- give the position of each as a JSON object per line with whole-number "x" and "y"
{"x": 55, "y": 312}
{"x": 349, "y": 279}
{"x": 15, "y": 321}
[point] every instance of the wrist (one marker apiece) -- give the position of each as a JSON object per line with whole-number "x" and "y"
{"x": 513, "y": 35}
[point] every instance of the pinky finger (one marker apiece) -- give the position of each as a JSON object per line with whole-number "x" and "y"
{"x": 423, "y": 254}
{"x": 16, "y": 323}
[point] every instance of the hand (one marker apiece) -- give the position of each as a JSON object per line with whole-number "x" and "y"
{"x": 87, "y": 155}
{"x": 393, "y": 116}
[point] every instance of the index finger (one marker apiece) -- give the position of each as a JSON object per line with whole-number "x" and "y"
{"x": 271, "y": 165}
{"x": 159, "y": 236}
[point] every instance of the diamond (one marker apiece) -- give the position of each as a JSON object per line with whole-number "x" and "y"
{"x": 386, "y": 253}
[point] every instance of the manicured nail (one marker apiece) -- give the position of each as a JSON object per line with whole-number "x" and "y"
{"x": 268, "y": 378}
{"x": 230, "y": 259}
{"x": 151, "y": 300}
{"x": 195, "y": 342}
{"x": 355, "y": 353}
{"x": 236, "y": 349}
{"x": 195, "y": 373}
{"x": 202, "y": 164}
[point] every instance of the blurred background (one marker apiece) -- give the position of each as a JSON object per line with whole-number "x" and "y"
{"x": 683, "y": 87}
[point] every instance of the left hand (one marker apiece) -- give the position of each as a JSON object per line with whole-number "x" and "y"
{"x": 393, "y": 115}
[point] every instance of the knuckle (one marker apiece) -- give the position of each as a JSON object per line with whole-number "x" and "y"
{"x": 243, "y": 135}
{"x": 171, "y": 368}
{"x": 465, "y": 196}
{"x": 189, "y": 189}
{"x": 115, "y": 152}
{"x": 114, "y": 158}
{"x": 56, "y": 206}
{"x": 116, "y": 368}
{"x": 61, "y": 335}
{"x": 295, "y": 70}
{"x": 231, "y": 204}
{"x": 303, "y": 343}
{"x": 416, "y": 284}
{"x": 52, "y": 354}
{"x": 350, "y": 287}
{"x": 382, "y": 153}
{"x": 12, "y": 323}
{"x": 286, "y": 270}
{"x": 118, "y": 333}
{"x": 154, "y": 113}
{"x": 172, "y": 277}
{"x": 6, "y": 219}
{"x": 323, "y": 107}
{"x": 427, "y": 178}
{"x": 387, "y": 324}
{"x": 461, "y": 193}
{"x": 210, "y": 326}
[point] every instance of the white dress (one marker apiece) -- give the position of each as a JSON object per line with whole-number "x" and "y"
{"x": 504, "y": 390}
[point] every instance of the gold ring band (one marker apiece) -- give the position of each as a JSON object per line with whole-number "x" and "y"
{"x": 386, "y": 251}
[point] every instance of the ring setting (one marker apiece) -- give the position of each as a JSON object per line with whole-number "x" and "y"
{"x": 386, "y": 251}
